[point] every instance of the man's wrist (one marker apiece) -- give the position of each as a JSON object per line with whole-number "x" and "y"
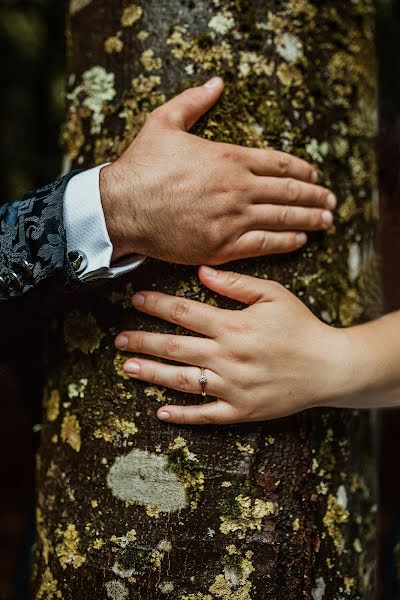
{"x": 112, "y": 208}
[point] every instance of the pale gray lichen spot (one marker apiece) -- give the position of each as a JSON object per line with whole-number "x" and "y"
{"x": 97, "y": 87}
{"x": 222, "y": 22}
{"x": 166, "y": 587}
{"x": 77, "y": 5}
{"x": 341, "y": 497}
{"x": 144, "y": 478}
{"x": 319, "y": 591}
{"x": 289, "y": 47}
{"x": 116, "y": 590}
{"x": 354, "y": 262}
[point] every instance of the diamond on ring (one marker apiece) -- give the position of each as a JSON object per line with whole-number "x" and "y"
{"x": 203, "y": 380}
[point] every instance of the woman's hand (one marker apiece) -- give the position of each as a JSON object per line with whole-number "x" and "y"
{"x": 269, "y": 360}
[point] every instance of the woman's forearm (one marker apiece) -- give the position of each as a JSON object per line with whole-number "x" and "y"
{"x": 373, "y": 358}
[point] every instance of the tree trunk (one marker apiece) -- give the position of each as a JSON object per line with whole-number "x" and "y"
{"x": 132, "y": 508}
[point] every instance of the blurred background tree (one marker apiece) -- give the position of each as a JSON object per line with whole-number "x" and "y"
{"x": 32, "y": 53}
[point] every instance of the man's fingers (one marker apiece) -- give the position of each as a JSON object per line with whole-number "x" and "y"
{"x": 279, "y": 164}
{"x": 185, "y": 109}
{"x": 263, "y": 243}
{"x": 180, "y": 348}
{"x": 192, "y": 315}
{"x": 288, "y": 218}
{"x": 182, "y": 379}
{"x": 243, "y": 288}
{"x": 275, "y": 190}
{"x": 218, "y": 412}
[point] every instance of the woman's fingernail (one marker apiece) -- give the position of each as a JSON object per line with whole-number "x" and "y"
{"x": 163, "y": 415}
{"x": 138, "y": 300}
{"x": 331, "y": 201}
{"x": 132, "y": 368}
{"x": 121, "y": 341}
{"x": 301, "y": 239}
{"x": 213, "y": 82}
{"x": 327, "y": 217}
{"x": 210, "y": 272}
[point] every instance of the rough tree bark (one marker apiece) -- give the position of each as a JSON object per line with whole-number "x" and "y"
{"x": 129, "y": 507}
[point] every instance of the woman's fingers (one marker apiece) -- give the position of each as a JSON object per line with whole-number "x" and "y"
{"x": 243, "y": 288}
{"x": 192, "y": 315}
{"x": 288, "y": 218}
{"x": 292, "y": 192}
{"x": 218, "y": 412}
{"x": 279, "y": 164}
{"x": 180, "y": 348}
{"x": 182, "y": 379}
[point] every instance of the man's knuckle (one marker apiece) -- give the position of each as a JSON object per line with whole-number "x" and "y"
{"x": 138, "y": 341}
{"x": 283, "y": 165}
{"x": 292, "y": 189}
{"x": 283, "y": 216}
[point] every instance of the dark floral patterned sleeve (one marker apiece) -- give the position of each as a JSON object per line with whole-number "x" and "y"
{"x": 33, "y": 241}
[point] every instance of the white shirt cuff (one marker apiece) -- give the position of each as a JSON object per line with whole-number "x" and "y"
{"x": 86, "y": 229}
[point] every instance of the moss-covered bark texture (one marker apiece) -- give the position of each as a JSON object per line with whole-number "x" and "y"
{"x": 129, "y": 508}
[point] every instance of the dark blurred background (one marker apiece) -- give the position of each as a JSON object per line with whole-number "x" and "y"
{"x": 32, "y": 66}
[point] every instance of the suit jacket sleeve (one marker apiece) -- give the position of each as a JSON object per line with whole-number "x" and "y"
{"x": 34, "y": 264}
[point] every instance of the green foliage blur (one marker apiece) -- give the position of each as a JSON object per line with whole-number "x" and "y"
{"x": 32, "y": 68}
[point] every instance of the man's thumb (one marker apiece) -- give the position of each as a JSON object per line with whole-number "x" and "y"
{"x": 185, "y": 109}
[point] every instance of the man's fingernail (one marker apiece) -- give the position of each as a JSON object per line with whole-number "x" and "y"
{"x": 301, "y": 239}
{"x": 210, "y": 272}
{"x": 213, "y": 83}
{"x": 163, "y": 415}
{"x": 314, "y": 177}
{"x": 121, "y": 341}
{"x": 138, "y": 300}
{"x": 132, "y": 368}
{"x": 331, "y": 201}
{"x": 327, "y": 217}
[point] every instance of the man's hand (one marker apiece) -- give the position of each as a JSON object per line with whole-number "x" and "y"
{"x": 179, "y": 198}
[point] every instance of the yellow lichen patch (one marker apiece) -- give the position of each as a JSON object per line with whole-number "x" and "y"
{"x": 348, "y": 209}
{"x": 301, "y": 8}
{"x": 72, "y": 137}
{"x": 71, "y": 432}
{"x": 296, "y": 524}
{"x": 94, "y": 503}
{"x": 68, "y": 549}
{"x": 119, "y": 362}
{"x": 153, "y": 511}
{"x": 335, "y": 516}
{"x": 156, "y": 393}
{"x": 350, "y": 308}
{"x": 289, "y": 75}
{"x": 113, "y": 44}
{"x": 52, "y": 404}
{"x": 222, "y": 22}
{"x": 270, "y": 440}
{"x": 131, "y": 15}
{"x": 251, "y": 63}
{"x": 48, "y": 587}
{"x": 251, "y": 515}
{"x": 245, "y": 448}
{"x": 46, "y": 547}
{"x": 149, "y": 61}
{"x": 115, "y": 427}
{"x": 205, "y": 57}
{"x": 145, "y": 84}
{"x": 77, "y": 390}
{"x": 81, "y": 332}
{"x": 349, "y": 583}
{"x": 98, "y": 544}
{"x": 142, "y": 35}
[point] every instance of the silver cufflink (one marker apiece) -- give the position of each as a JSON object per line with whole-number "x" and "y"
{"x": 78, "y": 260}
